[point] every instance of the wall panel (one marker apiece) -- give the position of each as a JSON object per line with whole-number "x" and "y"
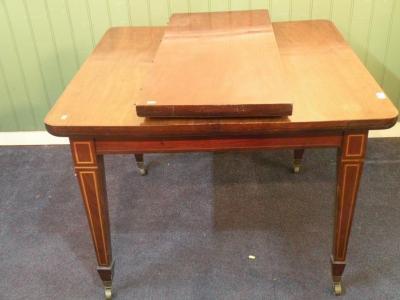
{"x": 321, "y": 9}
{"x": 281, "y": 10}
{"x": 360, "y": 27}
{"x": 391, "y": 75}
{"x": 14, "y": 74}
{"x": 36, "y": 84}
{"x": 301, "y": 9}
{"x": 43, "y": 42}
{"x": 81, "y": 27}
{"x": 342, "y": 12}
{"x": 381, "y": 25}
{"x": 198, "y": 6}
{"x": 140, "y": 12}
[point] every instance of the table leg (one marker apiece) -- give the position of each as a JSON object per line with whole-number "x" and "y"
{"x": 298, "y": 157}
{"x": 349, "y": 169}
{"x": 140, "y": 164}
{"x": 89, "y": 169}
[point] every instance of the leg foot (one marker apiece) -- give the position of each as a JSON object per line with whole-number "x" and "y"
{"x": 140, "y": 164}
{"x": 298, "y": 157}
{"x": 142, "y": 169}
{"x": 337, "y": 288}
{"x": 296, "y": 166}
{"x": 108, "y": 292}
{"x": 106, "y": 275}
{"x": 337, "y": 271}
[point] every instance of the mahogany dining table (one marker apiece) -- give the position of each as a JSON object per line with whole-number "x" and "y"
{"x": 336, "y": 102}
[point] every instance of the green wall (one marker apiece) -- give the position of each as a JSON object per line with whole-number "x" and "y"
{"x": 43, "y": 42}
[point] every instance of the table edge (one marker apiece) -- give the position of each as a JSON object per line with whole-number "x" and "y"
{"x": 217, "y": 129}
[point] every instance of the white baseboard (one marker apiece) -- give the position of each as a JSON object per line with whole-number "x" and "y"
{"x": 24, "y": 138}
{"x": 391, "y": 132}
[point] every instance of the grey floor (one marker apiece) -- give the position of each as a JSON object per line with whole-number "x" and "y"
{"x": 186, "y": 230}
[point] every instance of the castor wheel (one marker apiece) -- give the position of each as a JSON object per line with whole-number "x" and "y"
{"x": 142, "y": 168}
{"x": 143, "y": 171}
{"x": 296, "y": 166}
{"x": 298, "y": 158}
{"x": 140, "y": 164}
{"x": 337, "y": 288}
{"x": 108, "y": 292}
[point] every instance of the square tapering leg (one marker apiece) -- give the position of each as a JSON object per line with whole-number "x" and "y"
{"x": 89, "y": 170}
{"x": 350, "y": 162}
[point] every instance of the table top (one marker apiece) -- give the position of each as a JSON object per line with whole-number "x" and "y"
{"x": 220, "y": 64}
{"x": 331, "y": 87}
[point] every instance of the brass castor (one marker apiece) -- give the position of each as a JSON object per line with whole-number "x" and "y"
{"x": 142, "y": 168}
{"x": 337, "y": 288}
{"x": 296, "y": 166}
{"x": 108, "y": 292}
{"x": 143, "y": 171}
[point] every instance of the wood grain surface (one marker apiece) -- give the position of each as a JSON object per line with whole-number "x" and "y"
{"x": 223, "y": 64}
{"x": 333, "y": 89}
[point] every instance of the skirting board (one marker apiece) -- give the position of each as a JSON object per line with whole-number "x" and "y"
{"x": 25, "y": 138}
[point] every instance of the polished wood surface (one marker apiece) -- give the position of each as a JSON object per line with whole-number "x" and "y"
{"x": 218, "y": 23}
{"x": 117, "y": 146}
{"x": 333, "y": 89}
{"x": 223, "y": 64}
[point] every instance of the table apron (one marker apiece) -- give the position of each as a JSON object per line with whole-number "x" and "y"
{"x": 121, "y": 146}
